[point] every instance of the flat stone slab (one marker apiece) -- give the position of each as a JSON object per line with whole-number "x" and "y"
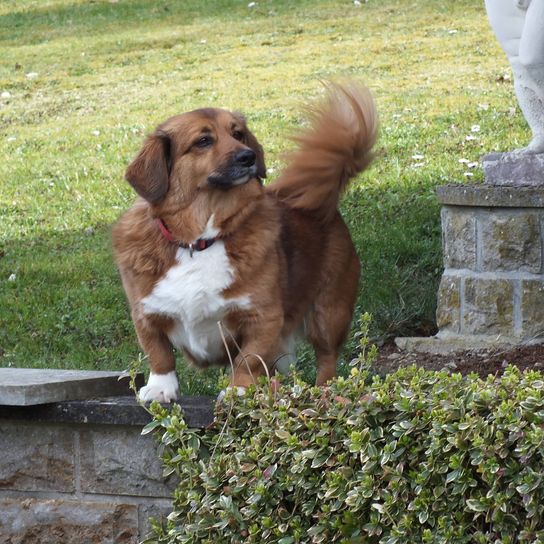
{"x": 31, "y": 386}
{"x": 455, "y": 343}
{"x": 491, "y": 196}
{"x": 514, "y": 169}
{"x": 198, "y": 412}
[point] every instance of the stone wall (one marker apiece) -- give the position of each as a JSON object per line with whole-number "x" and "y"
{"x": 81, "y": 472}
{"x": 492, "y": 287}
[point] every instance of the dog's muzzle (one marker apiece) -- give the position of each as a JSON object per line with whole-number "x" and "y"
{"x": 239, "y": 170}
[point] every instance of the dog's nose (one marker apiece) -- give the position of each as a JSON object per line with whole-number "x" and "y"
{"x": 246, "y": 157}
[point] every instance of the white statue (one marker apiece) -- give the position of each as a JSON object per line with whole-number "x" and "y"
{"x": 519, "y": 27}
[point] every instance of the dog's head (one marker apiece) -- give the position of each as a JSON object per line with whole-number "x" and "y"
{"x": 207, "y": 149}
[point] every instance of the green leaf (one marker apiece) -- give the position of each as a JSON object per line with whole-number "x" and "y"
{"x": 151, "y": 426}
{"x": 452, "y": 476}
{"x": 476, "y": 505}
{"x": 282, "y": 434}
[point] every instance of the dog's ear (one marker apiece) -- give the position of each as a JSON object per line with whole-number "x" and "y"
{"x": 149, "y": 172}
{"x": 253, "y": 143}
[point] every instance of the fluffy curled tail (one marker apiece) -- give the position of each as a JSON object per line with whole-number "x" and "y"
{"x": 334, "y": 149}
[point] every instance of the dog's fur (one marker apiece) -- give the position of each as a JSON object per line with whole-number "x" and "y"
{"x": 283, "y": 262}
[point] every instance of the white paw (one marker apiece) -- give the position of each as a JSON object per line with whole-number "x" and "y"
{"x": 240, "y": 391}
{"x": 160, "y": 387}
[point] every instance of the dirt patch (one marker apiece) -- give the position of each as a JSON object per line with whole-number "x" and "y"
{"x": 482, "y": 361}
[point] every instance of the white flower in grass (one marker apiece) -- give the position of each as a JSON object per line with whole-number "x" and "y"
{"x": 472, "y": 164}
{"x": 32, "y": 75}
{"x": 483, "y": 107}
{"x": 12, "y": 277}
{"x": 463, "y": 161}
{"x": 6, "y": 94}
{"x": 468, "y": 174}
{"x": 475, "y": 128}
{"x": 418, "y": 157}
{"x": 95, "y": 133}
{"x": 252, "y": 4}
{"x": 470, "y": 137}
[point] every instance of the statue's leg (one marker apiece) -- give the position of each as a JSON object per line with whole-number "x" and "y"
{"x": 528, "y": 70}
{"x": 519, "y": 31}
{"x": 507, "y": 22}
{"x": 531, "y": 45}
{"x": 532, "y": 106}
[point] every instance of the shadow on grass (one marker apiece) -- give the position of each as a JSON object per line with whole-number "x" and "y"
{"x": 398, "y": 238}
{"x": 62, "y": 304}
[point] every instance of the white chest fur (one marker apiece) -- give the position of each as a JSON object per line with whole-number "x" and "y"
{"x": 191, "y": 293}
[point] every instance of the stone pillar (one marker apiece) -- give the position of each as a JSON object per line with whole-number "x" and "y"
{"x": 492, "y": 289}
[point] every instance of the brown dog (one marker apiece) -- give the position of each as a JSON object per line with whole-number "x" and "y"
{"x": 206, "y": 243}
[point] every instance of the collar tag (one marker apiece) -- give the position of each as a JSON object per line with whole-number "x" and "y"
{"x": 199, "y": 245}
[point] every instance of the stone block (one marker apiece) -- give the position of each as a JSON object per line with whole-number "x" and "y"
{"x": 33, "y": 521}
{"x": 487, "y": 196}
{"x": 445, "y": 343}
{"x": 532, "y": 309}
{"x": 489, "y": 307}
{"x": 511, "y": 242}
{"x": 198, "y": 411}
{"x": 29, "y": 386}
{"x": 121, "y": 461}
{"x": 34, "y": 457}
{"x": 514, "y": 169}
{"x": 459, "y": 238}
{"x": 448, "y": 311}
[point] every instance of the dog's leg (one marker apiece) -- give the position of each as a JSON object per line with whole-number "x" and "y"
{"x": 163, "y": 383}
{"x": 328, "y": 323}
{"x": 326, "y": 366}
{"x": 327, "y": 328}
{"x": 260, "y": 343}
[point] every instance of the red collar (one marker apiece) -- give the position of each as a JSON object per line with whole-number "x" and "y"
{"x": 198, "y": 245}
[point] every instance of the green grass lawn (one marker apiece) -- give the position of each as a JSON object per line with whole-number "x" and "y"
{"x": 82, "y": 82}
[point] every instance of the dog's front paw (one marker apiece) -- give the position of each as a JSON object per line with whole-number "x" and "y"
{"x": 160, "y": 387}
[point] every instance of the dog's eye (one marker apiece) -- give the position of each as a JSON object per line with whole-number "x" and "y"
{"x": 238, "y": 135}
{"x": 204, "y": 141}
